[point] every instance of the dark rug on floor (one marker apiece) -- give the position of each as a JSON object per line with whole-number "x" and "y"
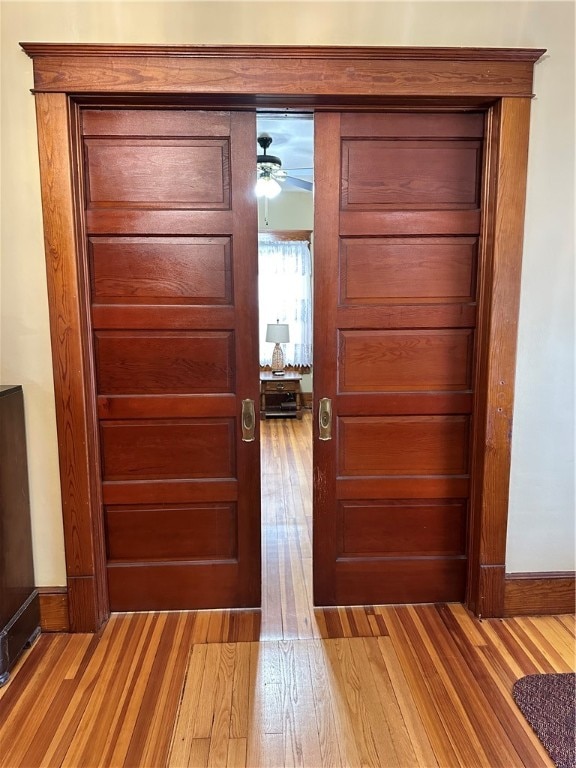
{"x": 548, "y": 702}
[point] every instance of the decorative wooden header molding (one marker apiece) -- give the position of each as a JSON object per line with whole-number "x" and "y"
{"x": 251, "y": 71}
{"x": 291, "y": 52}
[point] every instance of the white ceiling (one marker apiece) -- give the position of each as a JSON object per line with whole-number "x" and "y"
{"x": 292, "y": 141}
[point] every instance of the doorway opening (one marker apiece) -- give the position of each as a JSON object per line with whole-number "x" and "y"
{"x": 66, "y": 78}
{"x": 285, "y": 227}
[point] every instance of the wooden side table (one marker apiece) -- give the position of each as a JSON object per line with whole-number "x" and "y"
{"x": 280, "y": 395}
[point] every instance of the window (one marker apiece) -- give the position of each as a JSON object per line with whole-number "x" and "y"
{"x": 285, "y": 295}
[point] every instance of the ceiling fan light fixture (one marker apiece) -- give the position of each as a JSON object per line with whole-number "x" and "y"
{"x": 269, "y": 170}
{"x": 264, "y": 142}
{"x": 268, "y": 187}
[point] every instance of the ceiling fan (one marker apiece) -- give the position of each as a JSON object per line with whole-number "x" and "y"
{"x": 271, "y": 174}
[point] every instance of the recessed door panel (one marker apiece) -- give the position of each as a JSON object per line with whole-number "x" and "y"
{"x": 404, "y": 360}
{"x": 410, "y": 174}
{"x": 403, "y": 528}
{"x": 145, "y": 450}
{"x": 402, "y": 445}
{"x": 157, "y": 362}
{"x": 161, "y": 173}
{"x": 373, "y": 581}
{"x": 373, "y": 270}
{"x": 164, "y": 269}
{"x": 186, "y": 532}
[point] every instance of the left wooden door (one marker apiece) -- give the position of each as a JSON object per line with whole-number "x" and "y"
{"x": 171, "y": 275}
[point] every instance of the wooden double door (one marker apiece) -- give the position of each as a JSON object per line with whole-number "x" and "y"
{"x": 172, "y": 257}
{"x": 171, "y": 280}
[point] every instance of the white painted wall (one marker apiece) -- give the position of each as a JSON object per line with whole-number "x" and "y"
{"x": 541, "y": 530}
{"x": 290, "y": 210}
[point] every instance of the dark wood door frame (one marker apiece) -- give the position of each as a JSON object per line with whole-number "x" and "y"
{"x": 498, "y": 81}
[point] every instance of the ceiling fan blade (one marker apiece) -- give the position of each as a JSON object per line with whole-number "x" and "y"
{"x": 307, "y": 185}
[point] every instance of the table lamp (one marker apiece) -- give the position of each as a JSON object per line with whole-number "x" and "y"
{"x": 277, "y": 333}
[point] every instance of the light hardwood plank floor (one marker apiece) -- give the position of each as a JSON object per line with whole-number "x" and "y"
{"x": 290, "y": 685}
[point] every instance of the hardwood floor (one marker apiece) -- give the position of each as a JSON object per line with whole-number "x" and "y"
{"x": 290, "y": 686}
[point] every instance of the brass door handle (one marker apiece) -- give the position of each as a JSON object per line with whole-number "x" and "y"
{"x": 325, "y": 418}
{"x": 248, "y": 421}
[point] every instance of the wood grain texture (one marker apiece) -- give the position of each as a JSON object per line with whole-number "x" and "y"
{"x": 162, "y": 449}
{"x": 167, "y": 584}
{"x": 404, "y": 487}
{"x": 407, "y": 360}
{"x": 433, "y": 690}
{"x": 408, "y": 315}
{"x": 203, "y": 532}
{"x": 405, "y": 175}
{"x": 137, "y": 269}
{"x": 54, "y": 609}
{"x": 161, "y": 316}
{"x": 290, "y": 71}
{"x": 282, "y": 235}
{"x": 164, "y": 173}
{"x": 534, "y": 594}
{"x": 403, "y": 445}
{"x": 376, "y": 223}
{"x": 245, "y": 267}
{"x": 433, "y": 126}
{"x": 290, "y": 684}
{"x": 176, "y": 406}
{"x": 155, "y": 362}
{"x": 83, "y": 594}
{"x": 168, "y": 491}
{"x": 400, "y": 580}
{"x": 62, "y": 274}
{"x": 173, "y": 331}
{"x": 400, "y": 329}
{"x": 326, "y": 227}
{"x": 507, "y": 153}
{"x": 372, "y": 269}
{"x": 406, "y": 527}
{"x": 490, "y": 590}
{"x": 407, "y": 403}
{"x": 128, "y": 122}
{"x": 78, "y": 455}
{"x": 134, "y": 221}
{"x": 259, "y": 51}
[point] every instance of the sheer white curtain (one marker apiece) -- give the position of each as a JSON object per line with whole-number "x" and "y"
{"x": 285, "y": 295}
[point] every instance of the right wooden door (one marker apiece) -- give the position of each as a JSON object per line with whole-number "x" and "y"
{"x": 396, "y": 233}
